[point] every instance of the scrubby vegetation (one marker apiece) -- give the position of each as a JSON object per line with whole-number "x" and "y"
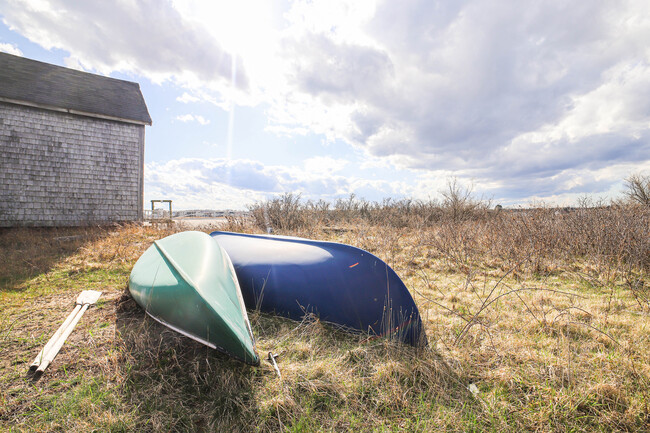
{"x": 537, "y": 320}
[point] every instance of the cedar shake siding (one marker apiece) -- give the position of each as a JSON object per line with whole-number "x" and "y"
{"x": 72, "y": 146}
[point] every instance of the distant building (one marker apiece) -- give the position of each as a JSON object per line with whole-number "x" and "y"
{"x": 71, "y": 146}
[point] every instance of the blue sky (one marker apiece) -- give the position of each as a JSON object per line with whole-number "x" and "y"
{"x": 527, "y": 101}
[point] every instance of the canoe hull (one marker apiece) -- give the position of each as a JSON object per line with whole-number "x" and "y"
{"x": 186, "y": 282}
{"x": 338, "y": 283}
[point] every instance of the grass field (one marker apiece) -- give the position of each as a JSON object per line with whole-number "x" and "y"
{"x": 536, "y": 321}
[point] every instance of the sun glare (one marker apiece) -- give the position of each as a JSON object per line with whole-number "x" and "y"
{"x": 241, "y": 27}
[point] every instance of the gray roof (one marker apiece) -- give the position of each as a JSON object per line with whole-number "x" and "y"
{"x": 49, "y": 86}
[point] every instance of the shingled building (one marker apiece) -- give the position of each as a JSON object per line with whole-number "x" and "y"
{"x": 71, "y": 146}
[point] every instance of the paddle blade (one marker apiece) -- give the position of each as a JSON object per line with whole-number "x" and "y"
{"x": 88, "y": 297}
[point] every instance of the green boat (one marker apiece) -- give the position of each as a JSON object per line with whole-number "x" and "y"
{"x": 187, "y": 282}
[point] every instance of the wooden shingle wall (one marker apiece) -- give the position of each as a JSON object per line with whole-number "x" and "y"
{"x": 59, "y": 169}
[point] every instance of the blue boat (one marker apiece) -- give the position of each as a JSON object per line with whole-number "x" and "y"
{"x": 338, "y": 283}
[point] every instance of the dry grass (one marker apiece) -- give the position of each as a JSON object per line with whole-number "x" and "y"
{"x": 537, "y": 321}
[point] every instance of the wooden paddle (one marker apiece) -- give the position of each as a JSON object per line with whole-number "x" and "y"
{"x": 51, "y": 349}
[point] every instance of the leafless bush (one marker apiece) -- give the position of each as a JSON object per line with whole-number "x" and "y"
{"x": 289, "y": 212}
{"x": 638, "y": 189}
{"x": 615, "y": 239}
{"x": 286, "y": 212}
{"x": 465, "y": 232}
{"x": 460, "y": 204}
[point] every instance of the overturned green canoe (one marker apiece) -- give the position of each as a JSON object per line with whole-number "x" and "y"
{"x": 186, "y": 282}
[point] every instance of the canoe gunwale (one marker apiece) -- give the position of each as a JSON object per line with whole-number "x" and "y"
{"x": 211, "y": 345}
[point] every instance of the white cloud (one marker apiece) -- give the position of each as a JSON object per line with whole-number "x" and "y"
{"x": 185, "y": 183}
{"x": 321, "y": 165}
{"x": 522, "y": 93}
{"x": 187, "y": 98}
{"x": 147, "y": 37}
{"x": 218, "y": 183}
{"x": 527, "y": 98}
{"x": 193, "y": 118}
{"x": 10, "y": 49}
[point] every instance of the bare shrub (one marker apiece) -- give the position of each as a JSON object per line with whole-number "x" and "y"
{"x": 459, "y": 202}
{"x": 289, "y": 212}
{"x": 284, "y": 213}
{"x": 238, "y": 223}
{"x": 638, "y": 189}
{"x": 613, "y": 240}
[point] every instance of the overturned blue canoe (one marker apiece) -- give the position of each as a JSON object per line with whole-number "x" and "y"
{"x": 338, "y": 283}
